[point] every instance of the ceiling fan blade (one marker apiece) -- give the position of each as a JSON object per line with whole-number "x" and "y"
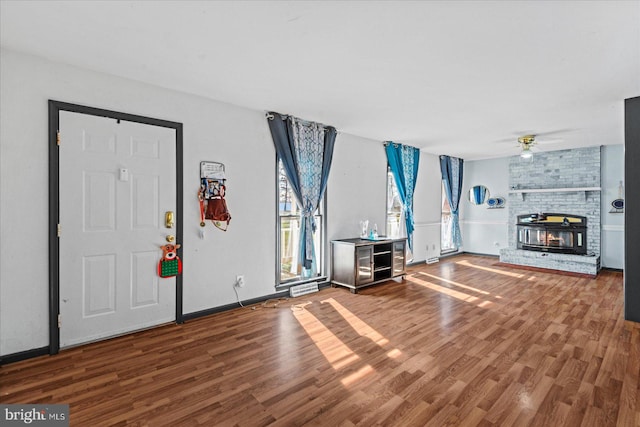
{"x": 507, "y": 140}
{"x": 539, "y": 137}
{"x": 554, "y": 132}
{"x": 545, "y": 141}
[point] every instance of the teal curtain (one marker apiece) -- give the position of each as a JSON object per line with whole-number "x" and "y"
{"x": 306, "y": 151}
{"x": 451, "y": 169}
{"x": 403, "y": 161}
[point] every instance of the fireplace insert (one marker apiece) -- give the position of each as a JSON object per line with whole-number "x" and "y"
{"x": 552, "y": 232}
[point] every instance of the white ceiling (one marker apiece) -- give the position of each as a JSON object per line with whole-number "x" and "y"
{"x": 451, "y": 77}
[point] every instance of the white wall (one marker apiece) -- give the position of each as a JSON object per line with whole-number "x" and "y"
{"x": 427, "y": 208}
{"x": 214, "y": 131}
{"x": 357, "y": 186}
{"x": 612, "y": 163}
{"x": 484, "y": 230}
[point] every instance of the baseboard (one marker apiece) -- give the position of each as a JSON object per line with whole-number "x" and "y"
{"x": 616, "y": 270}
{"x": 481, "y": 254}
{"x": 233, "y": 306}
{"x": 23, "y": 355}
{"x": 452, "y": 254}
{"x": 326, "y": 284}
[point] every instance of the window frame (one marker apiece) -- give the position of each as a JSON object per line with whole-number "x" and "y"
{"x": 445, "y": 212}
{"x": 321, "y": 252}
{"x": 390, "y": 212}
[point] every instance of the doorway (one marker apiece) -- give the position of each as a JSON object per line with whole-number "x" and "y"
{"x": 113, "y": 178}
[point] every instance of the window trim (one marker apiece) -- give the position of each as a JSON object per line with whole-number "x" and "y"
{"x": 322, "y": 276}
{"x": 443, "y": 198}
{"x": 401, "y": 218}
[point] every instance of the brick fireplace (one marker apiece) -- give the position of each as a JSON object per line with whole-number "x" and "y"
{"x": 566, "y": 181}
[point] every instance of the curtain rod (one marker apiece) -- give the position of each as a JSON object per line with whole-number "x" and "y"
{"x": 397, "y": 144}
{"x": 270, "y": 116}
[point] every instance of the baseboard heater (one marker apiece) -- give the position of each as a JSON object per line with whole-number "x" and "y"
{"x": 305, "y": 288}
{"x": 433, "y": 260}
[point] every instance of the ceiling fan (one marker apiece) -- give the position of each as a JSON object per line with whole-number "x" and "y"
{"x": 528, "y": 140}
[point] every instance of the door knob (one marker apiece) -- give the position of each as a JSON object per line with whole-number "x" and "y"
{"x": 170, "y": 238}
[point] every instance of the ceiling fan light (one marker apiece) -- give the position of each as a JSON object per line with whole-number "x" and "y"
{"x": 526, "y": 153}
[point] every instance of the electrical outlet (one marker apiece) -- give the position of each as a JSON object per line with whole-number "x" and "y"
{"x": 240, "y": 281}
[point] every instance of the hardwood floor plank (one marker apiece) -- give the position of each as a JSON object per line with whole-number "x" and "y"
{"x": 463, "y": 342}
{"x": 629, "y": 394}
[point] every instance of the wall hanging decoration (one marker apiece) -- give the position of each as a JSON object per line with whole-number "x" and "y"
{"x": 170, "y": 264}
{"x": 495, "y": 203}
{"x": 617, "y": 206}
{"x": 211, "y": 196}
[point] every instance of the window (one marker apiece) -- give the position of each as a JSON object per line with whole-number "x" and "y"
{"x": 288, "y": 232}
{"x": 446, "y": 227}
{"x": 394, "y": 207}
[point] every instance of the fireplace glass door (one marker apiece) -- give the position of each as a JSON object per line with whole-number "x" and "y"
{"x": 549, "y": 239}
{"x": 534, "y": 237}
{"x": 560, "y": 239}
{"x": 551, "y": 232}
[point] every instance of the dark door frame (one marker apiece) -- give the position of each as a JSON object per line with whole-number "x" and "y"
{"x": 632, "y": 209}
{"x": 54, "y": 203}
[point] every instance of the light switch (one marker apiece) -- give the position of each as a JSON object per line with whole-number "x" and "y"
{"x": 124, "y": 174}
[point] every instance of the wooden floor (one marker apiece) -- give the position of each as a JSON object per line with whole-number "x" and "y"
{"x": 463, "y": 342}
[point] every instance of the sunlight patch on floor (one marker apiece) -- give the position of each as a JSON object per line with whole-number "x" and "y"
{"x": 480, "y": 291}
{"x": 359, "y": 374}
{"x": 394, "y": 354}
{"x": 334, "y": 350}
{"x": 492, "y": 270}
{"x": 450, "y": 292}
{"x": 337, "y": 353}
{"x": 356, "y": 323}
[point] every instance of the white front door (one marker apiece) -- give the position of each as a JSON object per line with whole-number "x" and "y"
{"x": 117, "y": 181}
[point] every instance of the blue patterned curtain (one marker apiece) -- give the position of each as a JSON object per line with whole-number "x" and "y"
{"x": 403, "y": 161}
{"x": 306, "y": 151}
{"x": 452, "y": 168}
